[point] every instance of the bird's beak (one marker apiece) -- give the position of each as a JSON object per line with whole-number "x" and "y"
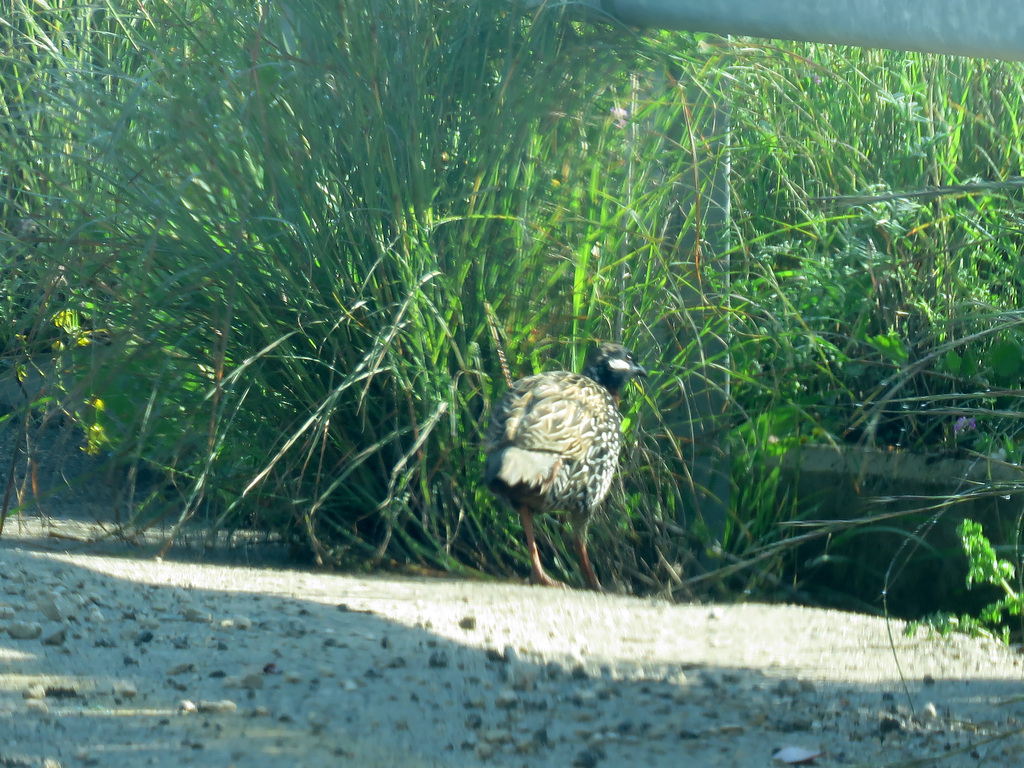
{"x": 639, "y": 370}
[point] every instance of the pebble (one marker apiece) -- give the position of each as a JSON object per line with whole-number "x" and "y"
{"x": 55, "y": 607}
{"x": 484, "y": 750}
{"x": 34, "y": 691}
{"x": 197, "y": 616}
{"x": 438, "y": 660}
{"x": 220, "y": 707}
{"x": 496, "y": 736}
{"x": 507, "y": 700}
{"x": 56, "y": 638}
{"x": 24, "y": 630}
{"x": 125, "y": 690}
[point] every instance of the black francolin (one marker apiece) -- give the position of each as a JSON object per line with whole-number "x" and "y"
{"x": 553, "y": 445}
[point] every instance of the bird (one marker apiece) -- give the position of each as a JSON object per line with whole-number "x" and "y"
{"x": 553, "y": 443}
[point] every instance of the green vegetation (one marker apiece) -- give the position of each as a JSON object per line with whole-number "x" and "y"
{"x": 252, "y": 246}
{"x": 985, "y": 568}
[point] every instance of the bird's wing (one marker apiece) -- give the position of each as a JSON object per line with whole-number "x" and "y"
{"x": 554, "y": 413}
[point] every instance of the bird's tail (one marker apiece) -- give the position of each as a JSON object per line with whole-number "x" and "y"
{"x": 516, "y": 467}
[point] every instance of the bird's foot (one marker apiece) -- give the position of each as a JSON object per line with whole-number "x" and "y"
{"x": 542, "y": 579}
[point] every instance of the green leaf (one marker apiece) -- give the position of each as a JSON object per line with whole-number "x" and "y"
{"x": 1005, "y": 361}
{"x": 953, "y": 362}
{"x": 891, "y": 346}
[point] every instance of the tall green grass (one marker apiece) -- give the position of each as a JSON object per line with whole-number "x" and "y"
{"x": 280, "y": 226}
{"x": 259, "y": 241}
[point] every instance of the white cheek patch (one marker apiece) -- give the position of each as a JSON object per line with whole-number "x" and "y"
{"x": 618, "y": 364}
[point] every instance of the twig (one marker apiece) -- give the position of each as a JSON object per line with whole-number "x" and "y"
{"x": 493, "y": 323}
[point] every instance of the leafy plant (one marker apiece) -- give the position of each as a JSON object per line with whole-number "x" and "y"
{"x": 984, "y": 567}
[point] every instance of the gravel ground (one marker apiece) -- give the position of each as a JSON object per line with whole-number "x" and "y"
{"x": 115, "y": 657}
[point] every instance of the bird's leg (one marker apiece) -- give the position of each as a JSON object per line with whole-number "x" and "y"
{"x": 531, "y": 544}
{"x": 588, "y": 571}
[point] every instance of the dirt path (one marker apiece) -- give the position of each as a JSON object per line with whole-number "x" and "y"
{"x": 127, "y": 660}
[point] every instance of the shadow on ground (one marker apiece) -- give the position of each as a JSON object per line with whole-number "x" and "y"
{"x": 131, "y": 660}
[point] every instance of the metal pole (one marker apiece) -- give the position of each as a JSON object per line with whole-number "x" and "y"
{"x": 991, "y": 29}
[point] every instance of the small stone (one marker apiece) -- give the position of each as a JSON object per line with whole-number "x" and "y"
{"x": 438, "y": 660}
{"x": 24, "y": 630}
{"x": 186, "y": 707}
{"x": 181, "y": 669}
{"x": 55, "y": 607}
{"x": 62, "y": 692}
{"x": 197, "y": 616}
{"x": 493, "y": 654}
{"x": 888, "y": 724}
{"x": 496, "y": 736}
{"x": 930, "y": 712}
{"x": 468, "y": 622}
{"x": 553, "y": 670}
{"x": 126, "y": 690}
{"x": 56, "y": 638}
{"x": 583, "y": 698}
{"x": 242, "y": 622}
{"x": 484, "y": 750}
{"x": 224, "y": 706}
{"x": 507, "y": 700}
{"x": 38, "y": 706}
{"x": 96, "y": 616}
{"x": 787, "y": 688}
{"x": 34, "y": 691}
{"x": 145, "y": 636}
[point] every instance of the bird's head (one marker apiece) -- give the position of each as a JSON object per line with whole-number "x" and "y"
{"x": 612, "y": 366}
